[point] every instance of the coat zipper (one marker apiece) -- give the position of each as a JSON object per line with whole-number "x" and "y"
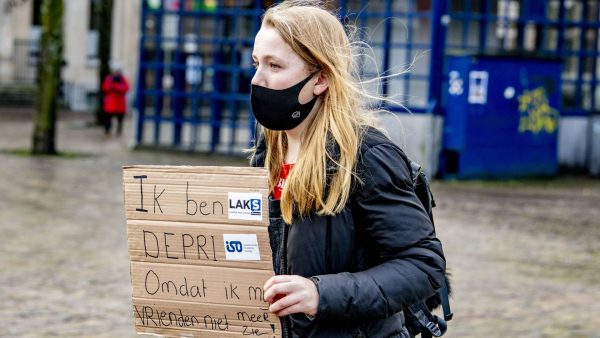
{"x": 328, "y": 246}
{"x": 283, "y": 271}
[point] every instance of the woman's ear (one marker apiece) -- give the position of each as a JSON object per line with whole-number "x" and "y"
{"x": 321, "y": 85}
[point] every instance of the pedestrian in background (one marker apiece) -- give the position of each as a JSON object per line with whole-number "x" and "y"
{"x": 114, "y": 88}
{"x": 352, "y": 245}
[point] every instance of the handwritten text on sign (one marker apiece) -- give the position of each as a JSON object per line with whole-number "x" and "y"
{"x": 199, "y": 250}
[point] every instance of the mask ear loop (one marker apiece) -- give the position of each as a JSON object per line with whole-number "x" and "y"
{"x": 310, "y": 75}
{"x": 304, "y": 131}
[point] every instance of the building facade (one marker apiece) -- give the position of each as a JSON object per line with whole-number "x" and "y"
{"x": 19, "y": 43}
{"x": 190, "y": 64}
{"x": 195, "y": 68}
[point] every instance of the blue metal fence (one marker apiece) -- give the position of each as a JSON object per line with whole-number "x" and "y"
{"x": 194, "y": 75}
{"x": 565, "y": 29}
{"x": 195, "y": 57}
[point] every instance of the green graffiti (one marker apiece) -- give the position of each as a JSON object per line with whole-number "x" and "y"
{"x": 536, "y": 113}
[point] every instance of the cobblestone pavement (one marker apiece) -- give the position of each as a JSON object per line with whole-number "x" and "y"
{"x": 525, "y": 256}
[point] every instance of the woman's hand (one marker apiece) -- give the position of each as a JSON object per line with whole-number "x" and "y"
{"x": 291, "y": 294}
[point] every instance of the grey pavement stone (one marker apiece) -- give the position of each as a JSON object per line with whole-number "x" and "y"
{"x": 524, "y": 255}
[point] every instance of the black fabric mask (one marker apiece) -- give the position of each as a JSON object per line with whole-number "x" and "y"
{"x": 280, "y": 109}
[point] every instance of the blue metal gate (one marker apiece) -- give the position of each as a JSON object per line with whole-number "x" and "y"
{"x": 565, "y": 29}
{"x": 194, "y": 75}
{"x": 195, "y": 57}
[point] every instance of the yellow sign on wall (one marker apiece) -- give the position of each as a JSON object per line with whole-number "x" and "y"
{"x": 536, "y": 113}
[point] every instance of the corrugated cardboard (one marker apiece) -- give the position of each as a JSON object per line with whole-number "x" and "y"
{"x": 198, "y": 259}
{"x": 189, "y": 194}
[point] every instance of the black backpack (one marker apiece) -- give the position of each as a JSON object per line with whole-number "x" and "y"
{"x": 419, "y": 319}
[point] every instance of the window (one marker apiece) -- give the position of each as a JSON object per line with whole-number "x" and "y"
{"x": 35, "y": 32}
{"x": 93, "y": 17}
{"x": 36, "y": 13}
{"x": 91, "y": 44}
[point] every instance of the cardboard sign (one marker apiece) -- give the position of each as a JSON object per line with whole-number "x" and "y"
{"x": 199, "y": 250}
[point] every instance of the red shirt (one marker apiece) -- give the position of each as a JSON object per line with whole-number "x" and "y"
{"x": 285, "y": 171}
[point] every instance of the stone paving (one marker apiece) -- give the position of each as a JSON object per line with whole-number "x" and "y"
{"x": 525, "y": 255}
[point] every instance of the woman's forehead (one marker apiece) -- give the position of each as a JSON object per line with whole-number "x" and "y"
{"x": 268, "y": 42}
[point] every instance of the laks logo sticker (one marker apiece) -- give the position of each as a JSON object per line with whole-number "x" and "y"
{"x": 247, "y": 206}
{"x": 241, "y": 247}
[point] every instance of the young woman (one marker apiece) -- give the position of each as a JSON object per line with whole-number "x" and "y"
{"x": 352, "y": 245}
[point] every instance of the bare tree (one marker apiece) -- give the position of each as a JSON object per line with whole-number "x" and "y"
{"x": 46, "y": 101}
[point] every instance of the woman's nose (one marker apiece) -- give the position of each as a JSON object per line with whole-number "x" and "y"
{"x": 258, "y": 79}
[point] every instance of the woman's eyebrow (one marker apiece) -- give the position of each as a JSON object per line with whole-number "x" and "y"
{"x": 267, "y": 57}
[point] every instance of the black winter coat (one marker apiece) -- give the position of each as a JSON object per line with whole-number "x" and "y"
{"x": 371, "y": 260}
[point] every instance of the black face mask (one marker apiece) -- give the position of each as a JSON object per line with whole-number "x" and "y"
{"x": 280, "y": 109}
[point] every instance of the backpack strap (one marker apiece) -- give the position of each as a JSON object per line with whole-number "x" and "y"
{"x": 422, "y": 188}
{"x": 430, "y": 324}
{"x": 445, "y": 302}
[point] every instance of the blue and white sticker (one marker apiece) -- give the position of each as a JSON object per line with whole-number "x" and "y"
{"x": 241, "y": 247}
{"x": 478, "y": 87}
{"x": 246, "y": 206}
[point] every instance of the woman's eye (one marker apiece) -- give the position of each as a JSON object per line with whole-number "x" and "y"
{"x": 274, "y": 65}
{"x": 255, "y": 65}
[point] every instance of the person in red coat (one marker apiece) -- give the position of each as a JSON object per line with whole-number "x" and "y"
{"x": 114, "y": 87}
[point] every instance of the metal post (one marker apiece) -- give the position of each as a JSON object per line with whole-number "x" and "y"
{"x": 483, "y": 22}
{"x": 158, "y": 73}
{"x": 216, "y": 103}
{"x": 523, "y": 17}
{"x": 581, "y": 57}
{"x": 178, "y": 97}
{"x": 436, "y": 65}
{"x": 542, "y": 31}
{"x": 594, "y": 82}
{"x": 196, "y": 103}
{"x": 465, "y": 25}
{"x": 387, "y": 40}
{"x": 234, "y": 81}
{"x": 141, "y": 79}
{"x": 255, "y": 27}
{"x": 561, "y": 28}
{"x": 409, "y": 47}
{"x": 592, "y": 157}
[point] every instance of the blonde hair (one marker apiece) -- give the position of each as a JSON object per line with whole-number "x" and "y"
{"x": 319, "y": 38}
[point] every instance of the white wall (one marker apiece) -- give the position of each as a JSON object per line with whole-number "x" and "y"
{"x": 21, "y": 21}
{"x": 81, "y": 72}
{"x": 15, "y": 24}
{"x": 419, "y": 135}
{"x": 579, "y": 143}
{"x": 594, "y": 161}
{"x": 6, "y": 45}
{"x": 573, "y": 142}
{"x": 125, "y": 39}
{"x": 79, "y": 69}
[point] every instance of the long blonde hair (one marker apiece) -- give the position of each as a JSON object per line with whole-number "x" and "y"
{"x": 318, "y": 37}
